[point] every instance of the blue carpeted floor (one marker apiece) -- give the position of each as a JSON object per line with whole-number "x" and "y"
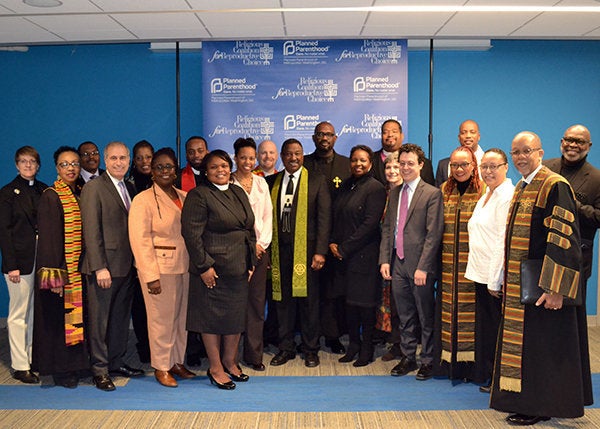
{"x": 268, "y": 394}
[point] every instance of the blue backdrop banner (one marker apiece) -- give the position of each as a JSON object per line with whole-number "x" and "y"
{"x": 282, "y": 89}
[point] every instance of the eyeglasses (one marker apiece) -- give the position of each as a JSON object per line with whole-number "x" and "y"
{"x": 578, "y": 142}
{"x": 27, "y": 162}
{"x": 320, "y": 135}
{"x": 491, "y": 167}
{"x": 166, "y": 167}
{"x": 462, "y": 165}
{"x": 527, "y": 152}
{"x": 89, "y": 154}
{"x": 66, "y": 164}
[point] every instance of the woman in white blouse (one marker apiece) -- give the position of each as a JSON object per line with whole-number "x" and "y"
{"x": 487, "y": 229}
{"x": 258, "y": 193}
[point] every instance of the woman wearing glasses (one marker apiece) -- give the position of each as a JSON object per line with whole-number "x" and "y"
{"x": 18, "y": 228}
{"x": 161, "y": 260}
{"x": 487, "y": 228}
{"x": 456, "y": 302}
{"x": 59, "y": 346}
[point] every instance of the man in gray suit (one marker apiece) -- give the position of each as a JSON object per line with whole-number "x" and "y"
{"x": 107, "y": 264}
{"x": 408, "y": 256}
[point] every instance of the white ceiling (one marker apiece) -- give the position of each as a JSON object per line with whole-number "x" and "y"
{"x": 95, "y": 21}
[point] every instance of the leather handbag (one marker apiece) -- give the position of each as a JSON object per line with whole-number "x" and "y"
{"x": 531, "y": 270}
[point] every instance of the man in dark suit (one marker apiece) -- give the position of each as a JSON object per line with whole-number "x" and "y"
{"x": 336, "y": 169}
{"x": 301, "y": 227}
{"x": 391, "y": 140}
{"x": 408, "y": 255}
{"x": 89, "y": 158}
{"x": 107, "y": 264}
{"x": 468, "y": 135}
{"x": 189, "y": 177}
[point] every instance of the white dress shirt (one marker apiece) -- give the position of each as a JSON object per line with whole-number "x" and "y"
{"x": 260, "y": 201}
{"x": 487, "y": 229}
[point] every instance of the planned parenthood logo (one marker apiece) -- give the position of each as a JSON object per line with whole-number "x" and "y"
{"x": 305, "y": 52}
{"x": 314, "y": 90}
{"x": 375, "y": 88}
{"x": 232, "y": 90}
{"x": 300, "y": 123}
{"x": 373, "y": 51}
{"x": 248, "y": 52}
{"x": 369, "y": 126}
{"x": 257, "y": 127}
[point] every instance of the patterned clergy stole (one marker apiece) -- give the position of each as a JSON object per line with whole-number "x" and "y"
{"x": 458, "y": 293}
{"x": 518, "y": 233}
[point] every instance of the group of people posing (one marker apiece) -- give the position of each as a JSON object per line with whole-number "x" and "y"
{"x": 370, "y": 245}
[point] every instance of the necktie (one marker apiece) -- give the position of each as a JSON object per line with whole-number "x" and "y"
{"x": 401, "y": 221}
{"x": 286, "y": 212}
{"x": 93, "y": 176}
{"x": 124, "y": 195}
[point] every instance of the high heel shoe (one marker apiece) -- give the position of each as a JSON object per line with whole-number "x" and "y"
{"x": 242, "y": 377}
{"x": 230, "y": 385}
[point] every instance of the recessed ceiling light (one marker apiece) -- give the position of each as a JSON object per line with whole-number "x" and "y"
{"x": 43, "y": 3}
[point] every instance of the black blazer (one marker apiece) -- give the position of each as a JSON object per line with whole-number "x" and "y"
{"x": 79, "y": 183}
{"x": 319, "y": 211}
{"x": 18, "y": 224}
{"x": 379, "y": 169}
{"x": 441, "y": 175}
{"x": 219, "y": 232}
{"x": 105, "y": 228}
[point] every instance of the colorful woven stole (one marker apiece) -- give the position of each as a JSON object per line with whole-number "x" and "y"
{"x": 458, "y": 293}
{"x": 553, "y": 275}
{"x": 72, "y": 291}
{"x": 299, "y": 277}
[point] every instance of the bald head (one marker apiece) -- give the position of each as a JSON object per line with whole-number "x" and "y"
{"x": 468, "y": 134}
{"x": 526, "y": 152}
{"x": 267, "y": 156}
{"x": 575, "y": 144}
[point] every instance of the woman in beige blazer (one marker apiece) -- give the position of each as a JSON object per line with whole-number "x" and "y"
{"x": 162, "y": 263}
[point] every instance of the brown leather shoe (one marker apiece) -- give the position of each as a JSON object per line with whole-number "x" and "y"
{"x": 165, "y": 378}
{"x": 181, "y": 371}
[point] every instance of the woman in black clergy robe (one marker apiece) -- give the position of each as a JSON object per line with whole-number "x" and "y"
{"x": 59, "y": 347}
{"x": 355, "y": 244}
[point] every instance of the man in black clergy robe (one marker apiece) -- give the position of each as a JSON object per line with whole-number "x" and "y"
{"x": 540, "y": 369}
{"x": 301, "y": 228}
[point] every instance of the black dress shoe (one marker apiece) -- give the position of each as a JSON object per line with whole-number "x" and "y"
{"x": 194, "y": 359}
{"x": 103, "y": 382}
{"x": 127, "y": 371}
{"x": 70, "y": 380}
{"x": 282, "y": 357}
{"x": 256, "y": 366}
{"x": 26, "y": 376}
{"x": 404, "y": 367}
{"x": 241, "y": 377}
{"x": 425, "y": 372}
{"x": 485, "y": 389}
{"x": 230, "y": 385}
{"x": 335, "y": 346}
{"x": 311, "y": 359}
{"x": 353, "y": 349}
{"x": 525, "y": 420}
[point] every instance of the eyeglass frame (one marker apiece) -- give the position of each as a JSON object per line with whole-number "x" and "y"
{"x": 527, "y": 152}
{"x": 491, "y": 167}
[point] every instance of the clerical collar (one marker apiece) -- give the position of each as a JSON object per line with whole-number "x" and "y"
{"x": 196, "y": 172}
{"x": 222, "y": 187}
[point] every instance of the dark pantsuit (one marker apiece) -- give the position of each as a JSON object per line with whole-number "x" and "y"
{"x": 306, "y": 308}
{"x": 361, "y": 320}
{"x": 488, "y": 311}
{"x": 415, "y": 305}
{"x": 255, "y": 316}
{"x": 109, "y": 312}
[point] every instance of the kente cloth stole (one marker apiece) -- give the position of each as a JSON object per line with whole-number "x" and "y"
{"x": 188, "y": 179}
{"x": 458, "y": 293}
{"x": 72, "y": 291}
{"x": 518, "y": 234}
{"x": 299, "y": 277}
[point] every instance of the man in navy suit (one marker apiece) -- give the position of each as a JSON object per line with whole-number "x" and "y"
{"x": 408, "y": 256}
{"x": 107, "y": 264}
{"x": 301, "y": 227}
